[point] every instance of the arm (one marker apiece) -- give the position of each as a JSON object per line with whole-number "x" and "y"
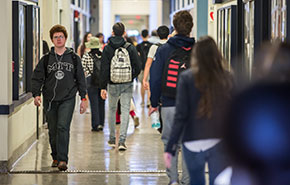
{"x": 182, "y": 113}
{"x": 84, "y": 64}
{"x": 79, "y": 50}
{"x": 38, "y": 78}
{"x": 105, "y": 68}
{"x": 156, "y": 72}
{"x": 146, "y": 73}
{"x": 80, "y": 79}
{"x": 135, "y": 61}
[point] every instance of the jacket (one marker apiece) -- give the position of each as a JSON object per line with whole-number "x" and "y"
{"x": 108, "y": 53}
{"x": 60, "y": 80}
{"x": 157, "y": 67}
{"x": 186, "y": 124}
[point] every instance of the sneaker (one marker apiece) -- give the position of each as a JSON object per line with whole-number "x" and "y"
{"x": 112, "y": 143}
{"x": 136, "y": 121}
{"x": 173, "y": 183}
{"x": 54, "y": 163}
{"x": 95, "y": 130}
{"x": 122, "y": 146}
{"x": 100, "y": 127}
{"x": 62, "y": 166}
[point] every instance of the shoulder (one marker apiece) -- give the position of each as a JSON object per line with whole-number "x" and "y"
{"x": 187, "y": 75}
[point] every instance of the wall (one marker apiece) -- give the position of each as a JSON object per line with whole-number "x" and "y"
{"x": 5, "y": 73}
{"x": 21, "y": 125}
{"x": 110, "y": 8}
{"x": 202, "y": 18}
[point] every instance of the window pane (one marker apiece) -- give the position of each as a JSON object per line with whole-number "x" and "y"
{"x": 21, "y": 50}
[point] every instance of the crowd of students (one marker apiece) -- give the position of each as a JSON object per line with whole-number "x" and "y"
{"x": 187, "y": 82}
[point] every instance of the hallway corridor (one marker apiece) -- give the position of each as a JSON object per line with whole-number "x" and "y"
{"x": 92, "y": 161}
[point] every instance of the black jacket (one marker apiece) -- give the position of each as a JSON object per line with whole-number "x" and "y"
{"x": 186, "y": 124}
{"x": 108, "y": 53}
{"x": 70, "y": 80}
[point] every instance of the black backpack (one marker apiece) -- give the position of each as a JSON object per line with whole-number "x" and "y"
{"x": 46, "y": 58}
{"x": 178, "y": 61}
{"x": 144, "y": 50}
{"x": 95, "y": 75}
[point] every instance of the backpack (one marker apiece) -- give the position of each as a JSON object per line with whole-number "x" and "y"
{"x": 95, "y": 74}
{"x": 144, "y": 50}
{"x": 121, "y": 69}
{"x": 46, "y": 59}
{"x": 178, "y": 61}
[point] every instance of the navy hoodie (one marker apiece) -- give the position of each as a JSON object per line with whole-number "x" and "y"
{"x": 157, "y": 67}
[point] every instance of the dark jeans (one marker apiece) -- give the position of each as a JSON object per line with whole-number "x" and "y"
{"x": 195, "y": 162}
{"x": 59, "y": 119}
{"x": 97, "y": 107}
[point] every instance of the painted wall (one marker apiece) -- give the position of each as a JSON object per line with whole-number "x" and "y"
{"x": 5, "y": 72}
{"x": 202, "y": 18}
{"x": 21, "y": 125}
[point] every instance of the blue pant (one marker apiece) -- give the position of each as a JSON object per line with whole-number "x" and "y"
{"x": 124, "y": 93}
{"x": 59, "y": 118}
{"x": 97, "y": 107}
{"x": 195, "y": 162}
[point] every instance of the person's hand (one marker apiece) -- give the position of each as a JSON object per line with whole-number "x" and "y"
{"x": 83, "y": 106}
{"x": 146, "y": 84}
{"x": 37, "y": 101}
{"x": 151, "y": 110}
{"x": 167, "y": 159}
{"x": 104, "y": 94}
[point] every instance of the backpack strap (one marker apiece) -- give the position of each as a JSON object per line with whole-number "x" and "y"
{"x": 126, "y": 45}
{"x": 45, "y": 63}
{"x": 75, "y": 63}
{"x": 158, "y": 44}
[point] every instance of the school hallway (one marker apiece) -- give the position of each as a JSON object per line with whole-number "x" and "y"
{"x": 92, "y": 161}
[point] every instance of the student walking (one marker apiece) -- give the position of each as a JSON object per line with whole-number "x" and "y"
{"x": 92, "y": 67}
{"x": 58, "y": 76}
{"x": 202, "y": 96}
{"x": 120, "y": 65}
{"x": 171, "y": 59}
{"x": 143, "y": 49}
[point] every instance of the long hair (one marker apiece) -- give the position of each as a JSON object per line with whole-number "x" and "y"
{"x": 83, "y": 46}
{"x": 211, "y": 78}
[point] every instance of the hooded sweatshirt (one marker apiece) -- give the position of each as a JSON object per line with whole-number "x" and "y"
{"x": 108, "y": 53}
{"x": 60, "y": 80}
{"x": 157, "y": 67}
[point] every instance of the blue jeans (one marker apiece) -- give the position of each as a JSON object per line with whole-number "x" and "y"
{"x": 124, "y": 93}
{"x": 195, "y": 162}
{"x": 167, "y": 114}
{"x": 59, "y": 119}
{"x": 97, "y": 107}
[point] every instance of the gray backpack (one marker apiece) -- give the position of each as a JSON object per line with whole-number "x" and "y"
{"x": 121, "y": 69}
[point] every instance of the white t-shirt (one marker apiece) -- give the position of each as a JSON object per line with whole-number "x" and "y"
{"x": 201, "y": 145}
{"x": 153, "y": 49}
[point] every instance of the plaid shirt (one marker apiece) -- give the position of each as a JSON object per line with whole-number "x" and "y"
{"x": 88, "y": 64}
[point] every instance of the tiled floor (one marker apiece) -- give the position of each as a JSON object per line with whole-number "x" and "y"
{"x": 92, "y": 161}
